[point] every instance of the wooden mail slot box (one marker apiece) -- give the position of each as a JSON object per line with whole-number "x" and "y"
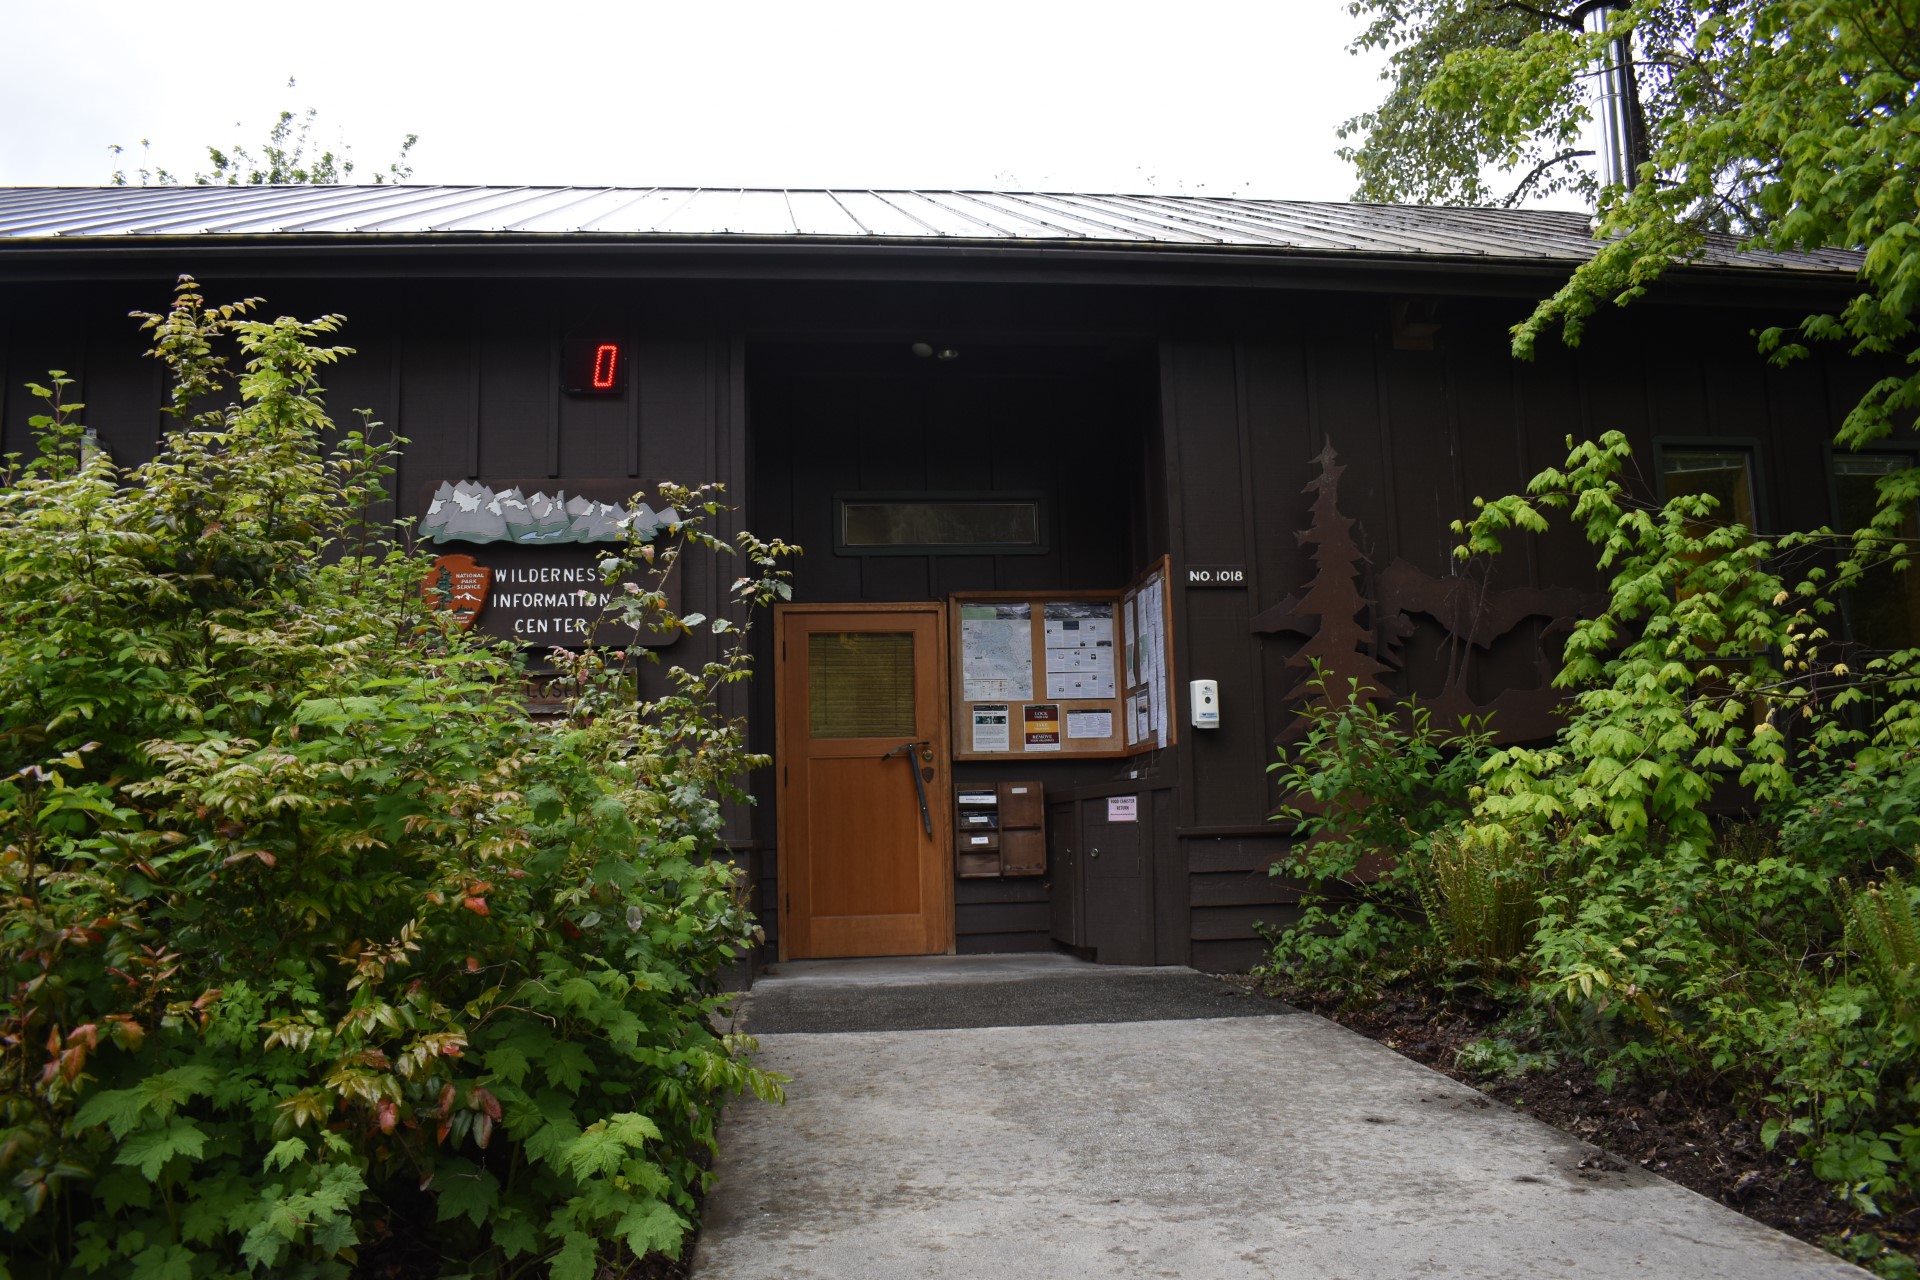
{"x": 1022, "y": 805}
{"x": 1000, "y": 830}
{"x": 979, "y": 866}
{"x": 1023, "y": 853}
{"x": 977, "y": 854}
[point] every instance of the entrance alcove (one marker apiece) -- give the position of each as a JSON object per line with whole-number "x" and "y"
{"x": 1065, "y": 429}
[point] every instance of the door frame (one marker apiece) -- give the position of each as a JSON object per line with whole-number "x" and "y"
{"x": 943, "y": 904}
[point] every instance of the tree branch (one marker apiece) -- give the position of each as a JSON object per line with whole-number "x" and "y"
{"x": 1534, "y": 175}
{"x": 1575, "y": 21}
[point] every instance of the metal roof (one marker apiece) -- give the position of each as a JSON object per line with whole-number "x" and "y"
{"x": 38, "y": 216}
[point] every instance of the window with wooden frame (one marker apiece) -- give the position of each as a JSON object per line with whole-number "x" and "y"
{"x": 1882, "y": 609}
{"x": 1724, "y": 472}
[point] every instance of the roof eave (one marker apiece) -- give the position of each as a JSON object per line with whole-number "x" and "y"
{"x": 735, "y": 255}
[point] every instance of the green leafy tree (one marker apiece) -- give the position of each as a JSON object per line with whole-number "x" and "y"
{"x": 1791, "y": 123}
{"x": 1414, "y": 150}
{"x": 1491, "y": 101}
{"x": 289, "y": 157}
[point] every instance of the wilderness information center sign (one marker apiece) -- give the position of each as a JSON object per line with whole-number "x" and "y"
{"x": 529, "y": 569}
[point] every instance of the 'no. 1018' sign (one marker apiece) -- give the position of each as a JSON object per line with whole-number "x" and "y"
{"x": 1232, "y": 575}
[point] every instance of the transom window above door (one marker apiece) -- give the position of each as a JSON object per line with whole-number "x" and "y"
{"x": 940, "y": 524}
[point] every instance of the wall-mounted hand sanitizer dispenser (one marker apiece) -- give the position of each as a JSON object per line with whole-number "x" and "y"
{"x": 1206, "y": 704}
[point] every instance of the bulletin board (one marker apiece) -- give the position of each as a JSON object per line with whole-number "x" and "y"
{"x": 1051, "y": 675}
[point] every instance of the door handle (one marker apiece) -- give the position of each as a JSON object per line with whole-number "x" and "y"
{"x": 919, "y": 783}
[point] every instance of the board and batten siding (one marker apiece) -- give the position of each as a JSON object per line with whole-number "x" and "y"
{"x": 1421, "y": 434}
{"x": 468, "y": 372}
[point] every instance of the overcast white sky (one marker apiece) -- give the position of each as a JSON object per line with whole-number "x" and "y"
{"x": 1207, "y": 97}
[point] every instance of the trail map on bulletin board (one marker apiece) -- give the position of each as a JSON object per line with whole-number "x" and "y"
{"x": 996, "y": 652}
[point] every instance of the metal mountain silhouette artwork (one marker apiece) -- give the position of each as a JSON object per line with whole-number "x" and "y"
{"x": 470, "y": 512}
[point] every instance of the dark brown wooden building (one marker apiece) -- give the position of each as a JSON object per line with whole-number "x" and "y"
{"x": 1053, "y": 459}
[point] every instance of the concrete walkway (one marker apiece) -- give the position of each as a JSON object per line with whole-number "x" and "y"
{"x": 990, "y": 1141}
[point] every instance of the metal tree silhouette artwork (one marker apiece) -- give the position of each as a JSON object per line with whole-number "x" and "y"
{"x": 1470, "y": 615}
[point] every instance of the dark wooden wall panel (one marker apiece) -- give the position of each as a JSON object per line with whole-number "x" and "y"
{"x": 1204, "y": 444}
{"x": 676, "y": 388}
{"x": 1235, "y": 923}
{"x": 1001, "y": 915}
{"x": 437, "y": 414}
{"x": 1171, "y": 909}
{"x": 1233, "y": 956}
{"x": 597, "y": 435}
{"x": 1425, "y": 492}
{"x": 1229, "y": 782}
{"x": 1548, "y": 409}
{"x": 1349, "y": 404}
{"x": 1490, "y": 453}
{"x": 123, "y": 394}
{"x": 517, "y": 401}
{"x": 1235, "y": 853}
{"x": 1797, "y": 414}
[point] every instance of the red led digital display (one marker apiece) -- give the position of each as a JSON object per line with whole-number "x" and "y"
{"x": 593, "y": 369}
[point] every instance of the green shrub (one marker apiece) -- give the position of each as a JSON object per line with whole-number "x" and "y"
{"x": 1665, "y": 934}
{"x": 309, "y": 936}
{"x": 1366, "y": 788}
{"x": 1700, "y": 946}
{"x": 1480, "y": 885}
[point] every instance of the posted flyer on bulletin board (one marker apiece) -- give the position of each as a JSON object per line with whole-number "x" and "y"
{"x": 1079, "y": 648}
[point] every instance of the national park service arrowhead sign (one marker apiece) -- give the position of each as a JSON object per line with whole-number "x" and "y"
{"x": 459, "y": 585}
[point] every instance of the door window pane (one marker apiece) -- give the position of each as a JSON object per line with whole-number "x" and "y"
{"x": 1723, "y": 474}
{"x": 860, "y": 684}
{"x": 1883, "y": 608}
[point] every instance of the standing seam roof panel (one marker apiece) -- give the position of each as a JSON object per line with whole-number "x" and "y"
{"x": 819, "y": 213}
{"x": 1119, "y": 211}
{"x": 926, "y": 228}
{"x": 153, "y": 221}
{"x": 1198, "y": 223}
{"x": 294, "y": 215}
{"x": 1332, "y": 232}
{"x": 1220, "y": 229}
{"x": 1058, "y": 220}
{"x": 633, "y": 196}
{"x": 548, "y": 220}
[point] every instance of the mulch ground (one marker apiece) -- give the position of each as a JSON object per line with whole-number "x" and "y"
{"x": 1692, "y": 1134}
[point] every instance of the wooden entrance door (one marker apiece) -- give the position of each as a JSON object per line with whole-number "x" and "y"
{"x": 862, "y": 709}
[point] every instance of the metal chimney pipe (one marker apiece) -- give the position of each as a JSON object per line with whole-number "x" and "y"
{"x": 1621, "y": 146}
